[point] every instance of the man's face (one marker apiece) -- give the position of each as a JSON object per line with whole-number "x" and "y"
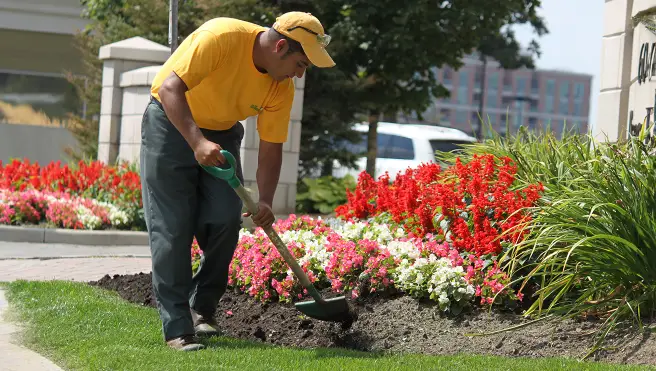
{"x": 287, "y": 65}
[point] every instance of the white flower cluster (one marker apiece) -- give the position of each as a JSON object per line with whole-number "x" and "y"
{"x": 87, "y": 218}
{"x": 117, "y": 217}
{"x": 315, "y": 246}
{"x": 403, "y": 249}
{"x": 435, "y": 278}
{"x": 380, "y": 233}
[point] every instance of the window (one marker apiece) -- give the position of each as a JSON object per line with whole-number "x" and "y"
{"x": 534, "y": 105}
{"x": 445, "y": 115}
{"x": 493, "y": 81}
{"x": 461, "y": 117}
{"x": 464, "y": 79}
{"x": 478, "y": 76}
{"x": 491, "y": 90}
{"x": 549, "y": 104}
{"x": 521, "y": 85}
{"x": 448, "y": 75}
{"x": 37, "y": 99}
{"x": 389, "y": 146}
{"x": 395, "y": 147}
{"x": 477, "y": 99}
{"x": 446, "y": 145}
{"x": 463, "y": 95}
{"x": 564, "y": 90}
{"x": 551, "y": 87}
{"x": 535, "y": 84}
{"x": 519, "y": 107}
{"x": 507, "y": 81}
{"x": 532, "y": 123}
{"x": 563, "y": 105}
{"x": 491, "y": 101}
{"x": 579, "y": 90}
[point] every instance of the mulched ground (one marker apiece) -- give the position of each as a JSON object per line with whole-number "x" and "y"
{"x": 404, "y": 325}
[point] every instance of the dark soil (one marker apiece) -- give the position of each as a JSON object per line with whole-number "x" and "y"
{"x": 404, "y": 325}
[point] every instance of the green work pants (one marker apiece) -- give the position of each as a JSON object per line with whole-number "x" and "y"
{"x": 181, "y": 201}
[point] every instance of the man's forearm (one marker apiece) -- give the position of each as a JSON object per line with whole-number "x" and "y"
{"x": 268, "y": 170}
{"x": 172, "y": 95}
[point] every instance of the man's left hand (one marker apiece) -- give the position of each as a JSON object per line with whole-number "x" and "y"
{"x": 264, "y": 216}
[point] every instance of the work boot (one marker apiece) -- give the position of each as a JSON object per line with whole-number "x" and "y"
{"x": 205, "y": 324}
{"x": 185, "y": 343}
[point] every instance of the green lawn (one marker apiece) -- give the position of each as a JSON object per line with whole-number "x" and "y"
{"x": 85, "y": 328}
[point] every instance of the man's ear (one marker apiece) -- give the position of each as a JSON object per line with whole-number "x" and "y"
{"x": 281, "y": 46}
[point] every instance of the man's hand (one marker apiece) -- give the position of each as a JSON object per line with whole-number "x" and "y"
{"x": 264, "y": 216}
{"x": 208, "y": 153}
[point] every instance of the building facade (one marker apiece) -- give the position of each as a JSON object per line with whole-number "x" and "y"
{"x": 510, "y": 98}
{"x": 627, "y": 94}
{"x": 38, "y": 50}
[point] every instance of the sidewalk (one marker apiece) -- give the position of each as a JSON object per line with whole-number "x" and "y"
{"x": 34, "y": 261}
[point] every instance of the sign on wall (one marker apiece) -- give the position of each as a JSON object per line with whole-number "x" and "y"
{"x": 646, "y": 62}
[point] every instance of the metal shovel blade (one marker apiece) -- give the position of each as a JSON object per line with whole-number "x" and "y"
{"x": 333, "y": 309}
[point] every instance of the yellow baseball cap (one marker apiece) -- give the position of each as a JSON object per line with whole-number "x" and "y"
{"x": 308, "y": 31}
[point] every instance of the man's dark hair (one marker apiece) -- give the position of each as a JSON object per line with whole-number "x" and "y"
{"x": 294, "y": 46}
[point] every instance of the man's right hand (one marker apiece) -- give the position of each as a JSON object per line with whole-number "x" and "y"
{"x": 208, "y": 153}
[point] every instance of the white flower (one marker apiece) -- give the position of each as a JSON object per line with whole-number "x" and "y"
{"x": 435, "y": 278}
{"x": 87, "y": 218}
{"x": 400, "y": 249}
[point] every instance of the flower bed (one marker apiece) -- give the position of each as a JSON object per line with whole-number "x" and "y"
{"x": 363, "y": 258}
{"x": 90, "y": 195}
{"x": 431, "y": 234}
{"x": 61, "y": 210}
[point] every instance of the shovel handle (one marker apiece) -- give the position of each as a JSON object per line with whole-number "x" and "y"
{"x": 230, "y": 176}
{"x": 280, "y": 245}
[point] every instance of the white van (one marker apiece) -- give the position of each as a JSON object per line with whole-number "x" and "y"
{"x": 401, "y": 146}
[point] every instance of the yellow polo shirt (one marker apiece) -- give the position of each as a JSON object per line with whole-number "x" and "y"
{"x": 216, "y": 63}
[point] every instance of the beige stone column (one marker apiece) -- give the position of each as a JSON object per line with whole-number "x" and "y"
{"x": 615, "y": 80}
{"x": 136, "y": 95}
{"x": 119, "y": 57}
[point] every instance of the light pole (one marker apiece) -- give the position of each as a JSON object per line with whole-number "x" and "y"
{"x": 173, "y": 25}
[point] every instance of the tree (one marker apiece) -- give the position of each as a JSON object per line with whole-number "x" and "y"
{"x": 390, "y": 47}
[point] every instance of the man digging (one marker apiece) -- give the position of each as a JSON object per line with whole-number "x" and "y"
{"x": 224, "y": 72}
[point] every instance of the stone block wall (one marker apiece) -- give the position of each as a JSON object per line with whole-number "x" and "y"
{"x": 621, "y": 92}
{"x": 126, "y": 92}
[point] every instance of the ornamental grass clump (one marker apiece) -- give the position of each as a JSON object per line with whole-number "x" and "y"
{"x": 591, "y": 247}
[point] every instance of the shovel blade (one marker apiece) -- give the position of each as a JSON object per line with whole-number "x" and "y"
{"x": 333, "y": 309}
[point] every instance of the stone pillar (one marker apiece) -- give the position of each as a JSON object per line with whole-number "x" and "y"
{"x": 136, "y": 95}
{"x": 118, "y": 58}
{"x": 615, "y": 81}
{"x": 285, "y": 198}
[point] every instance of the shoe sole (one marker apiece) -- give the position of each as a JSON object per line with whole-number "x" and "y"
{"x": 192, "y": 348}
{"x": 206, "y": 331}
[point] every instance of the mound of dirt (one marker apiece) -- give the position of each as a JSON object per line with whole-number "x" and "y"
{"x": 405, "y": 325}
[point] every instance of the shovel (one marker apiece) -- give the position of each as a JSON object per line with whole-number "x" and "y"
{"x": 333, "y": 309}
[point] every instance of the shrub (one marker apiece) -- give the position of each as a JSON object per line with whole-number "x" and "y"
{"x": 472, "y": 205}
{"x": 322, "y": 195}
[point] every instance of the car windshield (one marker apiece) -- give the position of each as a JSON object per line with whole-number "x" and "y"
{"x": 446, "y": 145}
